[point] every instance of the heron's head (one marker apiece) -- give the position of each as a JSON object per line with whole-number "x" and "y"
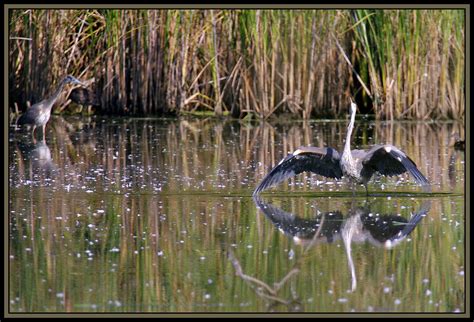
{"x": 72, "y": 80}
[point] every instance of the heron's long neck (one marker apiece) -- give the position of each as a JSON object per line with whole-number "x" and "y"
{"x": 347, "y": 145}
{"x": 51, "y": 100}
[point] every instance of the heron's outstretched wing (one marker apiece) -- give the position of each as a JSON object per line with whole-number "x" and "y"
{"x": 389, "y": 161}
{"x": 322, "y": 161}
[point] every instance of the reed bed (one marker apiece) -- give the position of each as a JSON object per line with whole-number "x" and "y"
{"x": 307, "y": 63}
{"x": 414, "y": 60}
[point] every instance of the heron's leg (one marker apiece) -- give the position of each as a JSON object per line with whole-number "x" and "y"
{"x": 44, "y": 132}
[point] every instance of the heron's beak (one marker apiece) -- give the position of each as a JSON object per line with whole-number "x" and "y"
{"x": 78, "y": 82}
{"x": 81, "y": 83}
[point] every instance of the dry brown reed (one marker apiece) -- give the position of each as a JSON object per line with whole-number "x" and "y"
{"x": 258, "y": 62}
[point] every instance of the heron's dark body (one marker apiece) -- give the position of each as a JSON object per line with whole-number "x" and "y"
{"x": 36, "y": 115}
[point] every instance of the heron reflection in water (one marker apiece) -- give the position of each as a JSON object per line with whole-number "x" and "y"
{"x": 38, "y": 155}
{"x": 360, "y": 225}
{"x": 38, "y": 114}
{"x": 358, "y": 165}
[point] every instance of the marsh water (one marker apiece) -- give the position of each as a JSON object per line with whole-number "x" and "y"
{"x": 157, "y": 215}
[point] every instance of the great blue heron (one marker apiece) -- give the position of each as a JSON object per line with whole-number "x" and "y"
{"x": 39, "y": 113}
{"x": 357, "y": 165}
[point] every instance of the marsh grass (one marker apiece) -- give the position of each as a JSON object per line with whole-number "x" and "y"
{"x": 413, "y": 61}
{"x": 257, "y": 62}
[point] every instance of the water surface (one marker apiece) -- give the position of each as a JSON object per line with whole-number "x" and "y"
{"x": 156, "y": 215}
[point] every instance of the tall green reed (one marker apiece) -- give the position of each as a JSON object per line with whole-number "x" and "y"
{"x": 413, "y": 61}
{"x": 258, "y": 62}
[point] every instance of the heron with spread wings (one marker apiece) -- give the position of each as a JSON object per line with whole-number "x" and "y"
{"x": 357, "y": 165}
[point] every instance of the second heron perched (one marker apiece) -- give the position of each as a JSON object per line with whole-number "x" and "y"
{"x": 358, "y": 165}
{"x": 39, "y": 113}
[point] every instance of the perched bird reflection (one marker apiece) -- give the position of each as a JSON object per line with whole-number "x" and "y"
{"x": 360, "y": 225}
{"x": 454, "y": 174}
{"x": 39, "y": 157}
